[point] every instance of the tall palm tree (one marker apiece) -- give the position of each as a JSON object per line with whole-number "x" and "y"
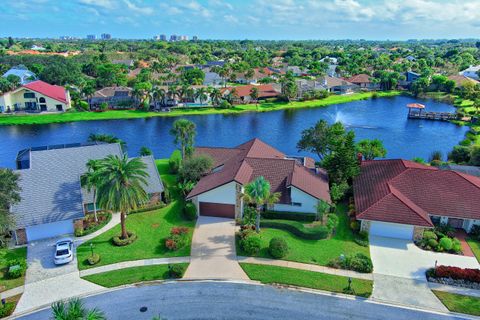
{"x": 184, "y": 132}
{"x": 172, "y": 91}
{"x": 74, "y": 309}
{"x": 158, "y": 94}
{"x": 254, "y": 95}
{"x": 121, "y": 186}
{"x": 136, "y": 95}
{"x": 201, "y": 94}
{"x": 258, "y": 193}
{"x": 224, "y": 72}
{"x": 215, "y": 96}
{"x": 89, "y": 180}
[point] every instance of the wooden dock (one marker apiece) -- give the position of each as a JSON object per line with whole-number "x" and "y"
{"x": 440, "y": 116}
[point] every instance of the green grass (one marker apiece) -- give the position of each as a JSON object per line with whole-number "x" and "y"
{"x": 120, "y": 277}
{"x": 459, "y": 303}
{"x": 132, "y": 114}
{"x": 314, "y": 251}
{"x": 303, "y": 278}
{"x": 151, "y": 227}
{"x": 5, "y": 256}
{"x": 475, "y": 246}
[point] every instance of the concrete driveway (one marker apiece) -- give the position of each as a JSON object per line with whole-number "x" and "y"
{"x": 213, "y": 253}
{"x": 399, "y": 271}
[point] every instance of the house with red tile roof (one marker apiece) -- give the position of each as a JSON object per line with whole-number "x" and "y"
{"x": 364, "y": 81}
{"x": 220, "y": 192}
{"x": 400, "y": 198}
{"x": 36, "y": 96}
{"x": 242, "y": 93}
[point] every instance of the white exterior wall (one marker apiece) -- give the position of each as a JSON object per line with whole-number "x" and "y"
{"x": 12, "y": 98}
{"x": 308, "y": 202}
{"x": 224, "y": 194}
{"x": 468, "y": 224}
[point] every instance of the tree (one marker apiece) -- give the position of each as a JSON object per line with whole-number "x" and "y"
{"x": 322, "y": 209}
{"x": 9, "y": 195}
{"x": 201, "y": 94}
{"x": 257, "y": 193}
{"x": 144, "y": 151}
{"x": 194, "y": 168}
{"x": 254, "y": 95}
{"x": 475, "y": 156}
{"x": 184, "y": 132}
{"x": 74, "y": 309}
{"x": 321, "y": 139}
{"x": 342, "y": 164}
{"x": 215, "y": 96}
{"x": 107, "y": 138}
{"x": 90, "y": 180}
{"x": 120, "y": 187}
{"x": 371, "y": 149}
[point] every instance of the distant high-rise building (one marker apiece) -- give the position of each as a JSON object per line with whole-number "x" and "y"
{"x": 173, "y": 37}
{"x": 91, "y": 37}
{"x": 66, "y": 37}
{"x": 194, "y": 38}
{"x": 183, "y": 38}
{"x": 156, "y": 38}
{"x": 163, "y": 37}
{"x": 106, "y": 36}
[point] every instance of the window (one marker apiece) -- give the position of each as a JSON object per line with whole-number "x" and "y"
{"x": 59, "y": 107}
{"x": 29, "y": 95}
{"x": 42, "y": 100}
{"x": 435, "y": 220}
{"x": 296, "y": 204}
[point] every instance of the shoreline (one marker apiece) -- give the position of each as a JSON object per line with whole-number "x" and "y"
{"x": 38, "y": 119}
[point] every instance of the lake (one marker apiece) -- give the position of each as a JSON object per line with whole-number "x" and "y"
{"x": 383, "y": 118}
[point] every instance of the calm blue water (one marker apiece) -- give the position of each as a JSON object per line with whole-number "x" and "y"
{"x": 385, "y": 119}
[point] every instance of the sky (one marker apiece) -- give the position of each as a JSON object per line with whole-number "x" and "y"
{"x": 243, "y": 19}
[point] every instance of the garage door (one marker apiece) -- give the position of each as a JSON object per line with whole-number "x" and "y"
{"x": 49, "y": 230}
{"x": 391, "y": 230}
{"x": 217, "y": 210}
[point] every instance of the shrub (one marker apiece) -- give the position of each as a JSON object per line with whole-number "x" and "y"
{"x": 225, "y": 104}
{"x": 427, "y": 235}
{"x": 432, "y": 243}
{"x": 460, "y": 154}
{"x": 177, "y": 239}
{"x": 278, "y": 248}
{"x": 7, "y": 309}
{"x": 445, "y": 243}
{"x": 176, "y": 270}
{"x": 194, "y": 168}
{"x": 475, "y": 232}
{"x": 465, "y": 142}
{"x": 475, "y": 156}
{"x": 78, "y": 232}
{"x": 445, "y": 229}
{"x": 251, "y": 244}
{"x": 296, "y": 228}
{"x": 436, "y": 163}
{"x": 148, "y": 208}
{"x": 16, "y": 268}
{"x": 285, "y": 215}
{"x": 93, "y": 259}
{"x": 246, "y": 231}
{"x": 472, "y": 275}
{"x": 175, "y": 161}
{"x": 190, "y": 211}
{"x": 124, "y": 242}
{"x": 359, "y": 262}
{"x": 354, "y": 225}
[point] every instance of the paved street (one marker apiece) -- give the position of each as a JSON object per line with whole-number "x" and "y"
{"x": 214, "y": 300}
{"x": 213, "y": 251}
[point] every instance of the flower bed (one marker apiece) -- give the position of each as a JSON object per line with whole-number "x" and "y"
{"x": 468, "y": 278}
{"x": 440, "y": 240}
{"x": 90, "y": 225}
{"x": 177, "y": 239}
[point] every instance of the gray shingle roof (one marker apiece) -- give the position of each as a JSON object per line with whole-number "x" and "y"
{"x": 51, "y": 188}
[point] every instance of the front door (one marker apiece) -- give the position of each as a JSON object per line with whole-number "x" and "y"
{"x": 455, "y": 223}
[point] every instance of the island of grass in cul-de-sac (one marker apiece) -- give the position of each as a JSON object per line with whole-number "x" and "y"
{"x": 72, "y": 116}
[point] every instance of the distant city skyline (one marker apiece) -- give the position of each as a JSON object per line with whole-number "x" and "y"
{"x": 247, "y": 19}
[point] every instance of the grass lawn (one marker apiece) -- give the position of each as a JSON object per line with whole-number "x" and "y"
{"x": 459, "y": 303}
{"x": 132, "y": 114}
{"x": 5, "y": 256}
{"x": 303, "y": 278}
{"x": 475, "y": 246}
{"x": 314, "y": 251}
{"x": 130, "y": 275}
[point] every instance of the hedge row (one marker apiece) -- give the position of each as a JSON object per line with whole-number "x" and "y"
{"x": 297, "y": 228}
{"x": 148, "y": 208}
{"x": 472, "y": 275}
{"x": 284, "y": 215}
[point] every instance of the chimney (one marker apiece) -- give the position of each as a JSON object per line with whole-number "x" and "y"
{"x": 359, "y": 157}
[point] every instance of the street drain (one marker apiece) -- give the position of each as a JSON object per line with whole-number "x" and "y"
{"x": 143, "y": 309}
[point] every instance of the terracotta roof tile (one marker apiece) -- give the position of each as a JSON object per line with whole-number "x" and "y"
{"x": 55, "y": 92}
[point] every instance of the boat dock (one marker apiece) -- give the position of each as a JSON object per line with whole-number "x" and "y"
{"x": 416, "y": 111}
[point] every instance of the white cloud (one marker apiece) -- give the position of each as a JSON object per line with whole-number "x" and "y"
{"x": 230, "y": 18}
{"x": 105, "y": 4}
{"x": 197, "y": 9}
{"x": 137, "y": 9}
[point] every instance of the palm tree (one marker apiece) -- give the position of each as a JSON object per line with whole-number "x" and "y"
{"x": 215, "y": 96}
{"x": 74, "y": 309}
{"x": 201, "y": 94}
{"x": 184, "y": 132}
{"x": 89, "y": 181}
{"x": 183, "y": 91}
{"x": 158, "y": 94}
{"x": 88, "y": 91}
{"x": 172, "y": 91}
{"x": 254, "y": 95}
{"x": 121, "y": 186}
{"x": 224, "y": 72}
{"x": 136, "y": 95}
{"x": 258, "y": 193}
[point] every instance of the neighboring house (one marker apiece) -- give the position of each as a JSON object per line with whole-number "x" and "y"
{"x": 22, "y": 72}
{"x": 52, "y": 198}
{"x": 332, "y": 65}
{"x": 460, "y": 80}
{"x": 37, "y": 48}
{"x": 126, "y": 62}
{"x": 471, "y": 72}
{"x": 411, "y": 58}
{"x": 296, "y": 71}
{"x": 213, "y": 79}
{"x": 410, "y": 77}
{"x": 337, "y": 85}
{"x": 400, "y": 198}
{"x": 258, "y": 74}
{"x": 304, "y": 85}
{"x": 220, "y": 193}
{"x": 471, "y": 170}
{"x": 36, "y": 96}
{"x": 363, "y": 81}
{"x": 242, "y": 93}
{"x": 114, "y": 96}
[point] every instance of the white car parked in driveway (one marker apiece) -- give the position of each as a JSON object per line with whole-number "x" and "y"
{"x": 63, "y": 251}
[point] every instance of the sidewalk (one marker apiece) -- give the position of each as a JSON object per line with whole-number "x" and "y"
{"x": 134, "y": 263}
{"x": 112, "y": 223}
{"x": 306, "y": 266}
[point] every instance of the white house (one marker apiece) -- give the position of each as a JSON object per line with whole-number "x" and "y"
{"x": 471, "y": 72}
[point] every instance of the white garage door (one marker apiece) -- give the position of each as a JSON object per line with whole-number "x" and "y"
{"x": 391, "y": 230}
{"x": 49, "y": 230}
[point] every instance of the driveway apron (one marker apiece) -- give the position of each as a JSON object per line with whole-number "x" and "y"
{"x": 213, "y": 253}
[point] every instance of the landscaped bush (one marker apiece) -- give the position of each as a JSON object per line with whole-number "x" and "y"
{"x": 251, "y": 245}
{"x": 472, "y": 275}
{"x": 438, "y": 241}
{"x": 16, "y": 268}
{"x": 460, "y": 154}
{"x": 355, "y": 225}
{"x": 359, "y": 262}
{"x": 90, "y": 225}
{"x": 124, "y": 242}
{"x": 176, "y": 270}
{"x": 316, "y": 231}
{"x": 148, "y": 208}
{"x": 427, "y": 235}
{"x": 190, "y": 211}
{"x": 475, "y": 232}
{"x": 246, "y": 231}
{"x": 177, "y": 239}
{"x": 444, "y": 229}
{"x": 432, "y": 243}
{"x": 7, "y": 309}
{"x": 278, "y": 248}
{"x": 362, "y": 238}
{"x": 285, "y": 215}
{"x": 175, "y": 161}
{"x": 93, "y": 259}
